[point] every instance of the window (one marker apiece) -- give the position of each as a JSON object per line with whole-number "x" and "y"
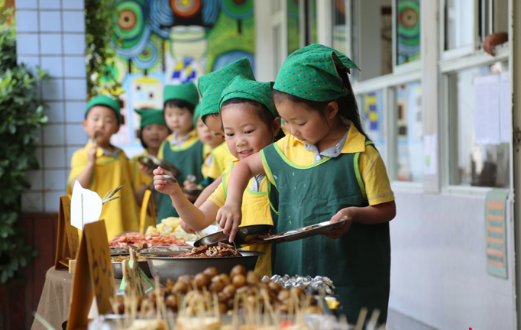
{"x": 339, "y": 41}
{"x": 372, "y": 35}
{"x": 459, "y": 24}
{"x": 407, "y": 31}
{"x": 471, "y": 161}
{"x": 371, "y": 113}
{"x": 409, "y": 131}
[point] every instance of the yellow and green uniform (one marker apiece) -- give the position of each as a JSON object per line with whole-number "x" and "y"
{"x": 312, "y": 190}
{"x": 120, "y": 215}
{"x": 188, "y": 158}
{"x": 256, "y": 210}
{"x": 221, "y": 159}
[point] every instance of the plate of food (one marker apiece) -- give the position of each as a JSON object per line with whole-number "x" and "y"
{"x": 117, "y": 267}
{"x": 320, "y": 228}
{"x": 223, "y": 257}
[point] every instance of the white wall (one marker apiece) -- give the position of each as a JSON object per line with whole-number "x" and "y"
{"x": 438, "y": 264}
{"x": 51, "y": 34}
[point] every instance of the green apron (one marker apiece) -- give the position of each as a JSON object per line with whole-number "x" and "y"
{"x": 189, "y": 161}
{"x": 358, "y": 262}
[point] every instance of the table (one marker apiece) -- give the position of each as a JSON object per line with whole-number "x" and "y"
{"x": 56, "y": 297}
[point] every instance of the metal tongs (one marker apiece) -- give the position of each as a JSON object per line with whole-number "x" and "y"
{"x": 235, "y": 246}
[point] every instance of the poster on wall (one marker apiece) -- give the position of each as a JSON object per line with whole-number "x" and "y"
{"x": 173, "y": 42}
{"x": 408, "y": 31}
{"x": 495, "y": 229}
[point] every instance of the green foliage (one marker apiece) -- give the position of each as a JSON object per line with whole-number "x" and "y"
{"x": 100, "y": 19}
{"x": 21, "y": 116}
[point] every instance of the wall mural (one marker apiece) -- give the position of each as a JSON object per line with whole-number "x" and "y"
{"x": 408, "y": 30}
{"x": 173, "y": 42}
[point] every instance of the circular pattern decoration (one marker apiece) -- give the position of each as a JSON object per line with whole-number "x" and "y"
{"x": 131, "y": 22}
{"x": 237, "y": 9}
{"x": 186, "y": 8}
{"x": 148, "y": 57}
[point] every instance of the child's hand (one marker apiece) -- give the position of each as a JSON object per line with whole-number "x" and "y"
{"x": 342, "y": 214}
{"x": 162, "y": 185}
{"x": 229, "y": 219}
{"x": 91, "y": 154}
{"x": 146, "y": 170}
{"x": 186, "y": 228}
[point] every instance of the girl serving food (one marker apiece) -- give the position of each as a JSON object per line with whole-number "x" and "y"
{"x": 327, "y": 168}
{"x": 250, "y": 123}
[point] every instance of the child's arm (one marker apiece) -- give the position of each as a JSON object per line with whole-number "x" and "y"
{"x": 195, "y": 218}
{"x": 208, "y": 191}
{"x": 229, "y": 216}
{"x": 86, "y": 175}
{"x": 368, "y": 215}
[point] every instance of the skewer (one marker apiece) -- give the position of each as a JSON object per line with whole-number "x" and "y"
{"x": 361, "y": 319}
{"x": 374, "y": 318}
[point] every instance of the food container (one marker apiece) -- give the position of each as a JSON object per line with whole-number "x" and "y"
{"x": 117, "y": 268}
{"x": 165, "y": 268}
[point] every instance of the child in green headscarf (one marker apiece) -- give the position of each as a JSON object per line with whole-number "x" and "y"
{"x": 152, "y": 132}
{"x": 182, "y": 148}
{"x": 327, "y": 168}
{"x": 250, "y": 123}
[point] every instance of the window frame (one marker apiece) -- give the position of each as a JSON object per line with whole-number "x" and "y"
{"x": 446, "y": 55}
{"x": 447, "y": 68}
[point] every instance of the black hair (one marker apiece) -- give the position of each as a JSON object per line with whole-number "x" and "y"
{"x": 214, "y": 115}
{"x": 140, "y": 136}
{"x": 260, "y": 109}
{"x": 347, "y": 106}
{"x": 180, "y": 104}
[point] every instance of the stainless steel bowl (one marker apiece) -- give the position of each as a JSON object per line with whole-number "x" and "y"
{"x": 171, "y": 268}
{"x": 153, "y": 162}
{"x": 117, "y": 269}
{"x": 244, "y": 235}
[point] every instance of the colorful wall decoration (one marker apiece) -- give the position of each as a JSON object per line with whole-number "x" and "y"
{"x": 408, "y": 31}
{"x": 173, "y": 42}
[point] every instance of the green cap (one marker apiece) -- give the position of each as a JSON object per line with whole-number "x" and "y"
{"x": 241, "y": 87}
{"x": 185, "y": 92}
{"x": 107, "y": 101}
{"x": 151, "y": 116}
{"x": 197, "y": 113}
{"x": 311, "y": 73}
{"x": 212, "y": 85}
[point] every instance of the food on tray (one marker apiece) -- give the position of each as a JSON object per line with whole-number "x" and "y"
{"x": 239, "y": 287}
{"x": 205, "y": 251}
{"x": 118, "y": 250}
{"x": 138, "y": 239}
{"x": 312, "y": 285}
{"x": 206, "y": 323}
{"x": 171, "y": 225}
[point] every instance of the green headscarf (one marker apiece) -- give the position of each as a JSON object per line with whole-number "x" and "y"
{"x": 312, "y": 73}
{"x": 107, "y": 101}
{"x": 151, "y": 116}
{"x": 197, "y": 113}
{"x": 212, "y": 85}
{"x": 241, "y": 87}
{"x": 185, "y": 92}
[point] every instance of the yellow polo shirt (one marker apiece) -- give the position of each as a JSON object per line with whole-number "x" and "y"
{"x": 207, "y": 150}
{"x": 255, "y": 211}
{"x": 221, "y": 158}
{"x": 120, "y": 215}
{"x": 371, "y": 165}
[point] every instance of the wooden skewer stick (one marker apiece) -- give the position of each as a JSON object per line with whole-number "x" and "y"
{"x": 374, "y": 318}
{"x": 361, "y": 319}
